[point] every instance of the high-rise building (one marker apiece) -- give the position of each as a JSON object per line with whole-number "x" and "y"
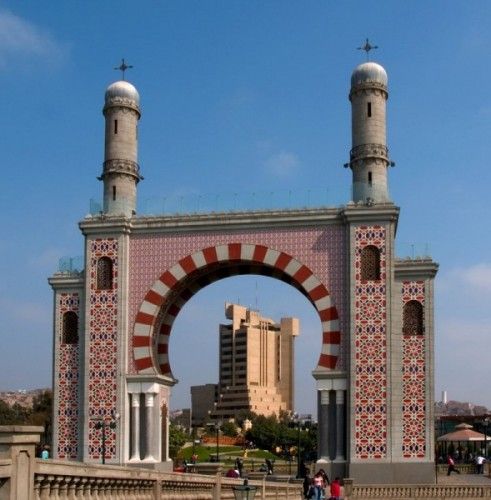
{"x": 203, "y": 400}
{"x": 256, "y": 363}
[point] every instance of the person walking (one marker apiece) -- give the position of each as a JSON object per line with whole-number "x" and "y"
{"x": 480, "y": 464}
{"x": 451, "y": 466}
{"x": 318, "y": 487}
{"x": 336, "y": 489}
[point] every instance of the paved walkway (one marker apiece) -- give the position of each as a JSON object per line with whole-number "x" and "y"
{"x": 464, "y": 479}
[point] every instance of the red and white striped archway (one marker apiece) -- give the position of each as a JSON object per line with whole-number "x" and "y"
{"x": 178, "y": 284}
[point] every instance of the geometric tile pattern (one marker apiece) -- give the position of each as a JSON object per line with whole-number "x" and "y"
{"x": 67, "y": 383}
{"x": 178, "y": 284}
{"x": 370, "y": 350}
{"x": 322, "y": 251}
{"x": 102, "y": 338}
{"x": 413, "y": 381}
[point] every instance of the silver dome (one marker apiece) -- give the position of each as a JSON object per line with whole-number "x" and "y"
{"x": 122, "y": 90}
{"x": 369, "y": 72}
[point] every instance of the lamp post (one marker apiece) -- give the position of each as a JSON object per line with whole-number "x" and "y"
{"x": 244, "y": 492}
{"x": 298, "y": 448}
{"x": 217, "y": 428}
{"x": 102, "y": 425}
{"x": 486, "y": 423}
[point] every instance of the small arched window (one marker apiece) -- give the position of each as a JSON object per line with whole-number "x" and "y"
{"x": 104, "y": 273}
{"x": 70, "y": 328}
{"x": 412, "y": 320}
{"x": 370, "y": 263}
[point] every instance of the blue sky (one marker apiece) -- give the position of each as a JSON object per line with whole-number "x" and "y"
{"x": 255, "y": 91}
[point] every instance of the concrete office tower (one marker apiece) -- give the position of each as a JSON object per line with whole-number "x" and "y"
{"x": 203, "y": 399}
{"x": 369, "y": 156}
{"x": 256, "y": 363}
{"x": 121, "y": 172}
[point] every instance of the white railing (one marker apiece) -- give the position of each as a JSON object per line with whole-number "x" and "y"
{"x": 24, "y": 477}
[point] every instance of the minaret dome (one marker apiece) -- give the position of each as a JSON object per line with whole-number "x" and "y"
{"x": 369, "y": 72}
{"x": 121, "y": 172}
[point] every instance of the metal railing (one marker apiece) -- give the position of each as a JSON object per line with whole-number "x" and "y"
{"x": 235, "y": 201}
{"x": 71, "y": 264}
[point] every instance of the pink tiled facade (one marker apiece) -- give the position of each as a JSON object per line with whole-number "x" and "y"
{"x": 370, "y": 345}
{"x": 322, "y": 250}
{"x": 413, "y": 381}
{"x": 68, "y": 379}
{"x": 102, "y": 338}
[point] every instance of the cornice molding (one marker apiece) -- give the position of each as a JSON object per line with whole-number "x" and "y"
{"x": 414, "y": 269}
{"x": 67, "y": 280}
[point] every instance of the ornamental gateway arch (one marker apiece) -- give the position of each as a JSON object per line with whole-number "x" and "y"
{"x": 112, "y": 321}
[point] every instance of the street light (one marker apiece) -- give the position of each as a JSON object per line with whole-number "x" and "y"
{"x": 217, "y": 428}
{"x": 244, "y": 492}
{"x": 486, "y": 422}
{"x": 101, "y": 425}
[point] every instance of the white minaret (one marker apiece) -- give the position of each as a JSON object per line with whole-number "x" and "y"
{"x": 369, "y": 156}
{"x": 121, "y": 172}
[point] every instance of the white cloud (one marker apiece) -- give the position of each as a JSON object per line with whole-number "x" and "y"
{"x": 472, "y": 280}
{"x": 478, "y": 276}
{"x": 462, "y": 332}
{"x": 283, "y": 163}
{"x": 21, "y": 39}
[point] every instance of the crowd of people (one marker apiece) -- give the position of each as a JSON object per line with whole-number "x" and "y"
{"x": 316, "y": 487}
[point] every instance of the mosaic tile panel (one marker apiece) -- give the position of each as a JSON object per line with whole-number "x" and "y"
{"x": 413, "y": 381}
{"x": 370, "y": 350}
{"x": 321, "y": 250}
{"x": 102, "y": 362}
{"x": 67, "y": 383}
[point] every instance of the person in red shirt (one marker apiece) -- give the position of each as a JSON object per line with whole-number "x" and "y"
{"x": 451, "y": 466}
{"x": 336, "y": 489}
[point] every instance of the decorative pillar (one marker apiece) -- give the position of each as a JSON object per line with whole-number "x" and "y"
{"x": 324, "y": 426}
{"x": 149, "y": 412}
{"x": 340, "y": 426}
{"x": 18, "y": 446}
{"x": 135, "y": 427}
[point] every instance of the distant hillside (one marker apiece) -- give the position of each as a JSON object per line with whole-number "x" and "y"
{"x": 23, "y": 398}
{"x": 459, "y": 408}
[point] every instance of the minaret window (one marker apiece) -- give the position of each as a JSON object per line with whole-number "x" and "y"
{"x": 412, "y": 318}
{"x": 114, "y": 193}
{"x": 70, "y": 328}
{"x": 370, "y": 178}
{"x": 104, "y": 273}
{"x": 115, "y": 126}
{"x": 370, "y": 263}
{"x": 369, "y": 109}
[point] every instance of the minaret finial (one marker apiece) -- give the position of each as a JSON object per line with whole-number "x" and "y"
{"x": 367, "y": 48}
{"x": 123, "y": 67}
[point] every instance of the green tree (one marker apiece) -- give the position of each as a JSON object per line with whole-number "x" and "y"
{"x": 177, "y": 439}
{"x": 264, "y": 432}
{"x": 229, "y": 429}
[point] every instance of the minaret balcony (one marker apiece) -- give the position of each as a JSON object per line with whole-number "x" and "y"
{"x": 120, "y": 166}
{"x": 369, "y": 151}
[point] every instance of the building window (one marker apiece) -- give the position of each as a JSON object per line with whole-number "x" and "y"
{"x": 70, "y": 328}
{"x": 115, "y": 126}
{"x": 369, "y": 109}
{"x": 114, "y": 193}
{"x": 370, "y": 178}
{"x": 412, "y": 318}
{"x": 370, "y": 263}
{"x": 104, "y": 273}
